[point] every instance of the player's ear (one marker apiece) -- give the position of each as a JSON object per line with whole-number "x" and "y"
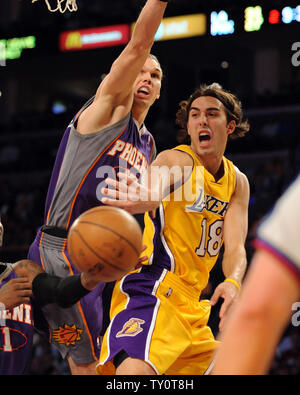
{"x": 231, "y": 127}
{"x": 158, "y": 93}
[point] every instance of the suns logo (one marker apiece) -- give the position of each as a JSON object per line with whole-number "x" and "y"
{"x": 131, "y": 327}
{"x": 67, "y": 334}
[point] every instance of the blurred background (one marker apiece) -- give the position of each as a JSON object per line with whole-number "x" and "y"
{"x": 51, "y": 63}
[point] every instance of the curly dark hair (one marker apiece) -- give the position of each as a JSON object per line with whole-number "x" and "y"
{"x": 232, "y": 105}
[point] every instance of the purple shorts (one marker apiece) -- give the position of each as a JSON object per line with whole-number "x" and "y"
{"x": 74, "y": 330}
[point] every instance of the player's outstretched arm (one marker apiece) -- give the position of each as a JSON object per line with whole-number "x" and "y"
{"x": 48, "y": 288}
{"x": 114, "y": 96}
{"x": 168, "y": 169}
{"x": 127, "y": 66}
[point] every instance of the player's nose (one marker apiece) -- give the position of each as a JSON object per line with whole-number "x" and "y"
{"x": 147, "y": 77}
{"x": 203, "y": 120}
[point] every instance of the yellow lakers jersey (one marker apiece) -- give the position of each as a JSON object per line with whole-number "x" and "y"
{"x": 186, "y": 234}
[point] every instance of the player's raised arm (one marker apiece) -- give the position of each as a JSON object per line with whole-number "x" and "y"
{"x": 136, "y": 52}
{"x": 114, "y": 96}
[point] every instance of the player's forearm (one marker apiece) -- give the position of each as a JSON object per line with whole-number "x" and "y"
{"x": 148, "y": 23}
{"x": 234, "y": 264}
{"x": 63, "y": 291}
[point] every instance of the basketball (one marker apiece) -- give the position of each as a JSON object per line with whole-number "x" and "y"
{"x": 105, "y": 242}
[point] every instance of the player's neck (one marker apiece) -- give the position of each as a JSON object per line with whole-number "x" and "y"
{"x": 139, "y": 116}
{"x": 141, "y": 128}
{"x": 214, "y": 165}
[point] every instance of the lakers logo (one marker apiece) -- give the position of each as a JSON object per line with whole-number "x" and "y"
{"x": 131, "y": 327}
{"x": 67, "y": 334}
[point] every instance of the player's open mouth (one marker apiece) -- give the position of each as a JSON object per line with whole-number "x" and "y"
{"x": 204, "y": 137}
{"x": 144, "y": 91}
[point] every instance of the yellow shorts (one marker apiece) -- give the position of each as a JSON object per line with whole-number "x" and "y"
{"x": 157, "y": 318}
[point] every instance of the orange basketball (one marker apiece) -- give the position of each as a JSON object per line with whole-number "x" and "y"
{"x": 106, "y": 242}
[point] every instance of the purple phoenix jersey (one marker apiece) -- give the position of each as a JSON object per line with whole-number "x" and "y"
{"x": 84, "y": 161}
{"x": 16, "y": 332}
{"x": 82, "y": 164}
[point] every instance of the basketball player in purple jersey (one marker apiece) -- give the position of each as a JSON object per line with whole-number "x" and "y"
{"x": 107, "y": 131}
{"x": 16, "y": 320}
{"x": 17, "y": 323}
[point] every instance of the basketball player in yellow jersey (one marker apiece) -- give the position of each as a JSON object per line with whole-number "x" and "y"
{"x": 158, "y": 325}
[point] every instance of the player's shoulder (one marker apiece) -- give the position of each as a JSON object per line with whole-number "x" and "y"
{"x": 240, "y": 176}
{"x": 242, "y": 184}
{"x": 174, "y": 157}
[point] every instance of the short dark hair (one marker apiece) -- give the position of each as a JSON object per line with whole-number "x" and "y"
{"x": 232, "y": 105}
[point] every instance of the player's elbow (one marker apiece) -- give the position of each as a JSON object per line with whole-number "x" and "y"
{"x": 141, "y": 47}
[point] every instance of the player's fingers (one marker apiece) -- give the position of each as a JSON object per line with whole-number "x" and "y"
{"x": 140, "y": 261}
{"x": 215, "y": 297}
{"x": 127, "y": 177}
{"x": 143, "y": 258}
{"x": 135, "y": 195}
{"x": 114, "y": 202}
{"x": 110, "y": 192}
{"x": 225, "y": 307}
{"x": 21, "y": 283}
{"x": 26, "y": 293}
{"x": 116, "y": 195}
{"x": 19, "y": 280}
{"x": 223, "y": 313}
{"x": 153, "y": 213}
{"x": 118, "y": 186}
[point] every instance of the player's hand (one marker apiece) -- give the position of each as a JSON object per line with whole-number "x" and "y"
{"x": 128, "y": 194}
{"x": 229, "y": 292}
{"x": 15, "y": 292}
